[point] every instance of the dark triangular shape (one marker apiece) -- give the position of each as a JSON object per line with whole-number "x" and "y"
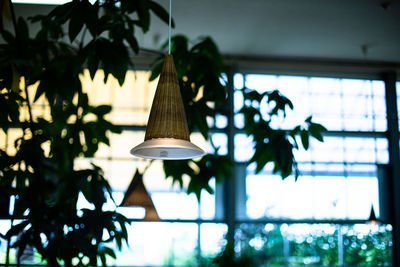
{"x": 372, "y": 216}
{"x": 137, "y": 196}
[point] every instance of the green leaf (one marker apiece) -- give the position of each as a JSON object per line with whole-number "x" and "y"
{"x": 143, "y": 14}
{"x": 102, "y": 110}
{"x": 161, "y": 13}
{"x": 280, "y": 102}
{"x": 180, "y": 44}
{"x": 316, "y": 131}
{"x": 103, "y": 259}
{"x": 62, "y": 13}
{"x": 132, "y": 42}
{"x": 39, "y": 92}
{"x": 16, "y": 229}
{"x": 118, "y": 239}
{"x": 91, "y": 18}
{"x": 22, "y": 243}
{"x": 155, "y": 72}
{"x": 114, "y": 128}
{"x": 20, "y": 206}
{"x": 109, "y": 252}
{"x": 305, "y": 139}
{"x": 318, "y": 127}
{"x": 253, "y": 95}
{"x": 84, "y": 101}
{"x": 22, "y": 28}
{"x": 7, "y": 36}
{"x": 114, "y": 57}
{"x": 316, "y": 134}
{"x": 93, "y": 64}
{"x": 200, "y": 118}
{"x": 75, "y": 25}
{"x": 295, "y": 131}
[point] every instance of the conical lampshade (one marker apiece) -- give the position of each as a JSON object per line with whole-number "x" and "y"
{"x": 151, "y": 215}
{"x": 167, "y": 134}
{"x": 372, "y": 217}
{"x": 137, "y": 196}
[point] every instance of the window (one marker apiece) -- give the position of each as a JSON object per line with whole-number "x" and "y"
{"x": 338, "y": 178}
{"x": 312, "y": 221}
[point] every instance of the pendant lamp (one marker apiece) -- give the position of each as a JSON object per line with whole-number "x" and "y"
{"x": 167, "y": 134}
{"x": 372, "y": 217}
{"x": 137, "y": 196}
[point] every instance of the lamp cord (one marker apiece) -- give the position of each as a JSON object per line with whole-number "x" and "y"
{"x": 169, "y": 28}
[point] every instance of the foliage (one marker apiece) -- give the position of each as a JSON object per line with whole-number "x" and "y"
{"x": 275, "y": 145}
{"x": 228, "y": 258}
{"x": 42, "y": 174}
{"x": 261, "y": 246}
{"x": 264, "y": 246}
{"x": 373, "y": 248}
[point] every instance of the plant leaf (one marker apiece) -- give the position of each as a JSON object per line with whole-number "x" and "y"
{"x": 304, "y": 139}
{"x": 161, "y": 13}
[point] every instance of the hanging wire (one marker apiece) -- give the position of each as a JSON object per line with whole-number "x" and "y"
{"x": 169, "y": 28}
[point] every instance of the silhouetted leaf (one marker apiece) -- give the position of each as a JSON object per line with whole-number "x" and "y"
{"x": 101, "y": 110}
{"x": 109, "y": 252}
{"x": 253, "y": 95}
{"x": 92, "y": 64}
{"x": 161, "y": 12}
{"x": 75, "y": 25}
{"x": 155, "y": 72}
{"x": 16, "y": 229}
{"x": 22, "y": 29}
{"x": 304, "y": 139}
{"x": 7, "y": 36}
{"x": 295, "y": 131}
{"x": 262, "y": 158}
{"x": 280, "y": 102}
{"x": 132, "y": 42}
{"x": 316, "y": 131}
{"x": 143, "y": 14}
{"x": 91, "y": 18}
{"x": 103, "y": 259}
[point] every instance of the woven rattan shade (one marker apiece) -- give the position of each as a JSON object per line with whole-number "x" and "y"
{"x": 137, "y": 196}
{"x": 167, "y": 116}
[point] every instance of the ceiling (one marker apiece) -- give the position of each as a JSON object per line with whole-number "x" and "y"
{"x": 307, "y": 29}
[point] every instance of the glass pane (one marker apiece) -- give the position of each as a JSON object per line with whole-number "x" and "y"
{"x": 327, "y": 192}
{"x": 159, "y": 244}
{"x": 131, "y": 102}
{"x": 207, "y": 202}
{"x": 340, "y": 104}
{"x": 212, "y": 239}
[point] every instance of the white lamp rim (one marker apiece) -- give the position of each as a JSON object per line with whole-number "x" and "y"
{"x": 167, "y": 149}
